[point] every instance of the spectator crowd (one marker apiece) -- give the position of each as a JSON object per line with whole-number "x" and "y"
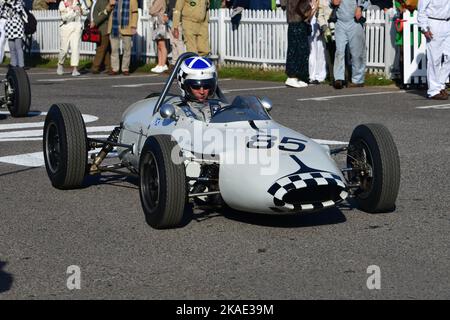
{"x": 325, "y": 37}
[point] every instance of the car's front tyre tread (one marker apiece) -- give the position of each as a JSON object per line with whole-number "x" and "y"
{"x": 73, "y": 144}
{"x": 172, "y": 179}
{"x": 386, "y": 168}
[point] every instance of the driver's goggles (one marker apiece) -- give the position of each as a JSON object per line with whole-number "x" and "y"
{"x": 205, "y": 86}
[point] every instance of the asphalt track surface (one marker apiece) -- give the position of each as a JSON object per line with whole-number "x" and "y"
{"x": 223, "y": 255}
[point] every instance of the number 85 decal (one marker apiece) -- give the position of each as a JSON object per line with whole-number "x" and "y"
{"x": 267, "y": 142}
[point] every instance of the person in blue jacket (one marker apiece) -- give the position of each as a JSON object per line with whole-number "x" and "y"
{"x": 253, "y": 4}
{"x": 260, "y": 4}
{"x": 350, "y": 31}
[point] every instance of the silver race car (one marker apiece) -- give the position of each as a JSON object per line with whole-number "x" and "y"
{"x": 241, "y": 158}
{"x": 16, "y": 94}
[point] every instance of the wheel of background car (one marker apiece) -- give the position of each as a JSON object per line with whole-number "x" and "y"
{"x": 65, "y": 146}
{"x": 162, "y": 182}
{"x": 373, "y": 152}
{"x": 17, "y": 91}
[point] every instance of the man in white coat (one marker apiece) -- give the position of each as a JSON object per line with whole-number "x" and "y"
{"x": 434, "y": 22}
{"x": 319, "y": 24}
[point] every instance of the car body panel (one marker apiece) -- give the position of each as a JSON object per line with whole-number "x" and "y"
{"x": 256, "y": 158}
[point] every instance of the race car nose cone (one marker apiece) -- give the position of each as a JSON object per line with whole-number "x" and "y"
{"x": 307, "y": 191}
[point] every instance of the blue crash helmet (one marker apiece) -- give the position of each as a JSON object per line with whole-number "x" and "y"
{"x": 195, "y": 73}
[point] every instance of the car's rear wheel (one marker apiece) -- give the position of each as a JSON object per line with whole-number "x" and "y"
{"x": 162, "y": 182}
{"x": 374, "y": 158}
{"x": 65, "y": 146}
{"x": 17, "y": 92}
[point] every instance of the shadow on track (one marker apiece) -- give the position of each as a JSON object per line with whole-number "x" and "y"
{"x": 300, "y": 220}
{"x": 18, "y": 171}
{"x": 6, "y": 279}
{"x": 202, "y": 213}
{"x": 115, "y": 180}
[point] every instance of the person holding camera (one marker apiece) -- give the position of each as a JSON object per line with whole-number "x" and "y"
{"x": 350, "y": 31}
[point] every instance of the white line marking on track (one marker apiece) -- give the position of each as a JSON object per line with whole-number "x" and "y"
{"x": 86, "y": 117}
{"x": 438, "y": 107}
{"x": 21, "y": 125}
{"x": 326, "y": 98}
{"x": 137, "y": 85}
{"x": 36, "y": 159}
{"x": 253, "y": 89}
{"x": 34, "y": 135}
{"x": 97, "y": 78}
{"x": 100, "y": 129}
{"x": 20, "y": 134}
{"x": 98, "y": 136}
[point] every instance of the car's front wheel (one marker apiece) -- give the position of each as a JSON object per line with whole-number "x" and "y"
{"x": 162, "y": 182}
{"x": 373, "y": 156}
{"x": 65, "y": 146}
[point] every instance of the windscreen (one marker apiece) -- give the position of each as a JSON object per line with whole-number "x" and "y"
{"x": 241, "y": 109}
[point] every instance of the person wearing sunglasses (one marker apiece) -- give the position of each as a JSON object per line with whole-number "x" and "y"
{"x": 197, "y": 80}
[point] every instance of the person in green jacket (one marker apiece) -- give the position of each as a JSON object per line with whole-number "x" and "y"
{"x": 193, "y": 15}
{"x": 217, "y": 4}
{"x": 401, "y": 7}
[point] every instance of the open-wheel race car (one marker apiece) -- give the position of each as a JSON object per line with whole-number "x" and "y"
{"x": 241, "y": 158}
{"x": 17, "y": 94}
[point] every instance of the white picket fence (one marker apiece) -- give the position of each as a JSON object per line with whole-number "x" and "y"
{"x": 414, "y": 55}
{"x": 260, "y": 39}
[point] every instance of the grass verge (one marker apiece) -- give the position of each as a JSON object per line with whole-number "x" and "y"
{"x": 252, "y": 74}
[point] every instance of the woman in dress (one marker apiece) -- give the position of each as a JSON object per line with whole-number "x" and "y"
{"x": 297, "y": 56}
{"x": 157, "y": 10}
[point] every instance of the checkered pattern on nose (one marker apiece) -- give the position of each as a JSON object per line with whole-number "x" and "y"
{"x": 305, "y": 180}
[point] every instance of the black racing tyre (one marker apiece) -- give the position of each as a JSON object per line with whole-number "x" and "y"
{"x": 65, "y": 146}
{"x": 373, "y": 153}
{"x": 162, "y": 182}
{"x": 17, "y": 92}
